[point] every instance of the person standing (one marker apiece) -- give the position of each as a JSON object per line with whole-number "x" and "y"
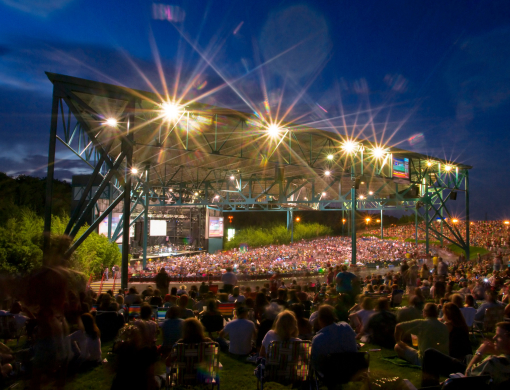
{"x": 344, "y": 281}
{"x": 442, "y": 268}
{"x": 106, "y": 273}
{"x": 162, "y": 281}
{"x": 229, "y": 280}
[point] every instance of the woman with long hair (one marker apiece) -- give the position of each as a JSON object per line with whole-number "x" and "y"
{"x": 459, "y": 344}
{"x": 87, "y": 341}
{"x": 285, "y": 328}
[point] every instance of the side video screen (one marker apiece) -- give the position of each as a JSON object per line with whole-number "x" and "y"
{"x": 401, "y": 168}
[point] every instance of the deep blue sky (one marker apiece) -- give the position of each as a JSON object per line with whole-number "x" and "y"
{"x": 439, "y": 70}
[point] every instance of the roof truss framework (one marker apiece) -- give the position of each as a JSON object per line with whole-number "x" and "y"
{"x": 225, "y": 159}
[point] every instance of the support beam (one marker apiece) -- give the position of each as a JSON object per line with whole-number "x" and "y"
{"x": 292, "y": 226}
{"x": 466, "y": 187}
{"x": 146, "y": 217}
{"x": 94, "y": 226}
{"x": 49, "y": 179}
{"x": 353, "y": 228}
{"x": 128, "y": 148}
{"x": 416, "y": 227}
{"x": 382, "y": 228}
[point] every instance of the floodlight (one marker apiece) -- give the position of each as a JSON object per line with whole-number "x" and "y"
{"x": 361, "y": 197}
{"x": 327, "y": 173}
{"x": 506, "y": 222}
{"x": 344, "y": 220}
{"x": 370, "y": 192}
{"x": 196, "y": 193}
{"x": 273, "y": 130}
{"x": 455, "y": 220}
{"x": 170, "y": 110}
{"x": 298, "y": 219}
{"x": 367, "y": 219}
{"x": 112, "y": 122}
{"x": 323, "y": 194}
{"x": 349, "y": 146}
{"x": 378, "y": 152}
{"x": 378, "y": 220}
{"x": 330, "y": 157}
{"x": 448, "y": 168}
{"x": 232, "y": 177}
{"x": 134, "y": 170}
{"x": 429, "y": 163}
{"x": 217, "y": 197}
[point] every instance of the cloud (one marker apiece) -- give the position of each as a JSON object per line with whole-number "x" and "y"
{"x": 36, "y": 165}
{"x": 40, "y": 8}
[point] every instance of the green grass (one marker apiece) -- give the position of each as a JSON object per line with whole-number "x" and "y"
{"x": 473, "y": 251}
{"x": 423, "y": 241}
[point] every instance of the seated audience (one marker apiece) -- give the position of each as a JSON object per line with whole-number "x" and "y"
{"x": 430, "y": 332}
{"x": 333, "y": 336}
{"x": 241, "y": 332}
{"x": 284, "y": 329}
{"x": 381, "y": 325}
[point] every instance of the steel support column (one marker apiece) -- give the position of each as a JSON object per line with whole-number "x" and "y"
{"x": 353, "y": 228}
{"x": 128, "y": 147}
{"x": 427, "y": 229}
{"x": 466, "y": 187}
{"x": 146, "y": 217}
{"x": 110, "y": 197}
{"x": 416, "y": 227}
{"x": 292, "y": 226}
{"x": 49, "y": 178}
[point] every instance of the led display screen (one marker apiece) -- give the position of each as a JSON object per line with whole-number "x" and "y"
{"x": 157, "y": 228}
{"x": 401, "y": 168}
{"x": 215, "y": 226}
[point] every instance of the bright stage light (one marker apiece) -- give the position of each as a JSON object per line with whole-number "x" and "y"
{"x": 349, "y": 146}
{"x": 330, "y": 157}
{"x": 217, "y": 197}
{"x": 448, "y": 168}
{"x": 196, "y": 193}
{"x": 134, "y": 170}
{"x": 327, "y": 173}
{"x": 112, "y": 122}
{"x": 370, "y": 193}
{"x": 361, "y": 197}
{"x": 506, "y": 222}
{"x": 323, "y": 194}
{"x": 171, "y": 111}
{"x": 429, "y": 163}
{"x": 455, "y": 220}
{"x": 367, "y": 220}
{"x": 273, "y": 130}
{"x": 232, "y": 177}
{"x": 378, "y": 152}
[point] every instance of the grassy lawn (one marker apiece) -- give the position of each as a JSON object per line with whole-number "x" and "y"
{"x": 423, "y": 241}
{"x": 235, "y": 374}
{"x": 473, "y": 250}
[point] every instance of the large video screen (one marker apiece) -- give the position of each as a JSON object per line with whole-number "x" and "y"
{"x": 157, "y": 228}
{"x": 401, "y": 168}
{"x": 103, "y": 227}
{"x": 215, "y": 226}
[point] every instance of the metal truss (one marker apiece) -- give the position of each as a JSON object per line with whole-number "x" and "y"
{"x": 222, "y": 159}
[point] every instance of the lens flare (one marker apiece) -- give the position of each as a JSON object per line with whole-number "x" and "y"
{"x": 112, "y": 122}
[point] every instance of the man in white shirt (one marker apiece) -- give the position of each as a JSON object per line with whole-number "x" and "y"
{"x": 241, "y": 332}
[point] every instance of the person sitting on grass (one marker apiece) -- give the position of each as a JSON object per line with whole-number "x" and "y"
{"x": 148, "y": 328}
{"x": 496, "y": 364}
{"x": 171, "y": 329}
{"x": 430, "y": 332}
{"x": 284, "y": 329}
{"x": 185, "y": 312}
{"x": 241, "y": 332}
{"x": 192, "y": 333}
{"x": 381, "y": 325}
{"x": 332, "y": 337}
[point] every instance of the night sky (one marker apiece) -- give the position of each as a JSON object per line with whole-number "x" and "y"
{"x": 427, "y": 76}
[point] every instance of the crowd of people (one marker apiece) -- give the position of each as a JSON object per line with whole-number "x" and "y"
{"x": 491, "y": 235}
{"x": 445, "y": 300}
{"x": 298, "y": 259}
